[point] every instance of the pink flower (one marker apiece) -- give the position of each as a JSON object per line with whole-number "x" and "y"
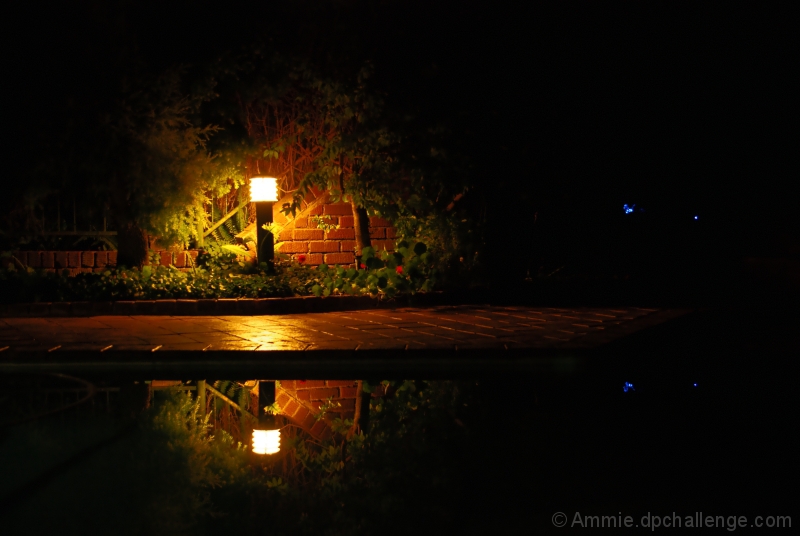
{"x": 399, "y": 269}
{"x": 301, "y": 259}
{"x": 363, "y": 266}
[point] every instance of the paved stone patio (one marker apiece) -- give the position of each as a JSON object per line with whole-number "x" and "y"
{"x": 440, "y": 327}
{"x": 411, "y": 334}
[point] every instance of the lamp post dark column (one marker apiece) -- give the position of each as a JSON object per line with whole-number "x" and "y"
{"x": 266, "y": 242}
{"x": 264, "y": 192}
{"x": 267, "y": 436}
{"x": 266, "y": 397}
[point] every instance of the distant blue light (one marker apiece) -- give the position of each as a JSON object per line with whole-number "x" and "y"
{"x": 695, "y": 385}
{"x": 628, "y": 209}
{"x": 628, "y": 386}
{"x": 695, "y": 217}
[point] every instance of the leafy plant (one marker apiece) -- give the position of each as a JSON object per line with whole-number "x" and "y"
{"x": 218, "y": 274}
{"x": 324, "y": 222}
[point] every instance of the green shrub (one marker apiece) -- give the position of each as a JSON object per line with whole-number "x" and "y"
{"x": 219, "y": 275}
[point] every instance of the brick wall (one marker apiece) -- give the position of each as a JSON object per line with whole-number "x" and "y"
{"x": 300, "y": 236}
{"x": 92, "y": 261}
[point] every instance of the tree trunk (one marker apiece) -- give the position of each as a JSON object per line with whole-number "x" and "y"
{"x": 361, "y": 224}
{"x": 361, "y": 414}
{"x": 132, "y": 243}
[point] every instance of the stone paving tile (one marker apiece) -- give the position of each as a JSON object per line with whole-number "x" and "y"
{"x": 281, "y": 345}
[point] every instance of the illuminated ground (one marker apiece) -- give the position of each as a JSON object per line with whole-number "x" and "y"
{"x": 469, "y": 339}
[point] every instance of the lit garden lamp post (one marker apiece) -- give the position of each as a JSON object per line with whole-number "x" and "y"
{"x": 266, "y": 436}
{"x": 264, "y": 192}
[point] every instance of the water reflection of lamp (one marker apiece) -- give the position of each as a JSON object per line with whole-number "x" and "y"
{"x": 264, "y": 192}
{"x": 267, "y": 437}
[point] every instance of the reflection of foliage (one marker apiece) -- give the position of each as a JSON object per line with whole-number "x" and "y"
{"x": 174, "y": 476}
{"x": 236, "y": 391}
{"x": 408, "y": 461}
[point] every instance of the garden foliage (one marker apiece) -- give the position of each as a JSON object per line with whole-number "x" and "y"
{"x": 219, "y": 274}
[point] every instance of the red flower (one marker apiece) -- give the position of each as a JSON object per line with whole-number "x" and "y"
{"x": 301, "y": 259}
{"x": 363, "y": 266}
{"x": 399, "y": 269}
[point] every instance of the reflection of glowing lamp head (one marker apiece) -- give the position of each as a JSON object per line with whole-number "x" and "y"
{"x": 266, "y": 441}
{"x": 263, "y": 189}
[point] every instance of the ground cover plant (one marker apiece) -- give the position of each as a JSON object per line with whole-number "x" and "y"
{"x": 408, "y": 270}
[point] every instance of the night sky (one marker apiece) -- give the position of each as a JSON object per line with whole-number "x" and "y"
{"x": 568, "y": 109}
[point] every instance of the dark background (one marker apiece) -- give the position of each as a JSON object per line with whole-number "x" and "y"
{"x": 566, "y": 110}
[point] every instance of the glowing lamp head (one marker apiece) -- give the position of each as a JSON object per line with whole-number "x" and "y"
{"x": 266, "y": 441}
{"x": 263, "y": 189}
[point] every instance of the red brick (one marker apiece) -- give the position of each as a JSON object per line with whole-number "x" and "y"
{"x": 112, "y": 258}
{"x": 348, "y": 392}
{"x": 48, "y": 258}
{"x": 327, "y": 247}
{"x": 338, "y": 209}
{"x": 181, "y": 260}
{"x": 346, "y": 221}
{"x": 318, "y": 429}
{"x": 324, "y": 393}
{"x": 33, "y": 259}
{"x": 380, "y": 232}
{"x": 294, "y": 247}
{"x": 62, "y": 259}
{"x": 308, "y": 421}
{"x": 291, "y": 408}
{"x": 374, "y": 221}
{"x": 166, "y": 258}
{"x": 340, "y": 383}
{"x": 316, "y": 211}
{"x": 391, "y": 232}
{"x": 87, "y": 259}
{"x": 285, "y": 235}
{"x": 347, "y": 404}
{"x": 314, "y": 259}
{"x": 305, "y": 394}
{"x": 348, "y": 245}
{"x": 301, "y": 415}
{"x": 282, "y": 399}
{"x": 308, "y": 234}
{"x": 101, "y": 259}
{"x": 301, "y": 223}
{"x": 339, "y": 258}
{"x": 74, "y": 259}
{"x": 309, "y": 384}
{"x": 340, "y": 234}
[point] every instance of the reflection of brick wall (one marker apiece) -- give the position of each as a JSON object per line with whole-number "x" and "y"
{"x": 92, "y": 261}
{"x": 300, "y": 400}
{"x": 301, "y": 237}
